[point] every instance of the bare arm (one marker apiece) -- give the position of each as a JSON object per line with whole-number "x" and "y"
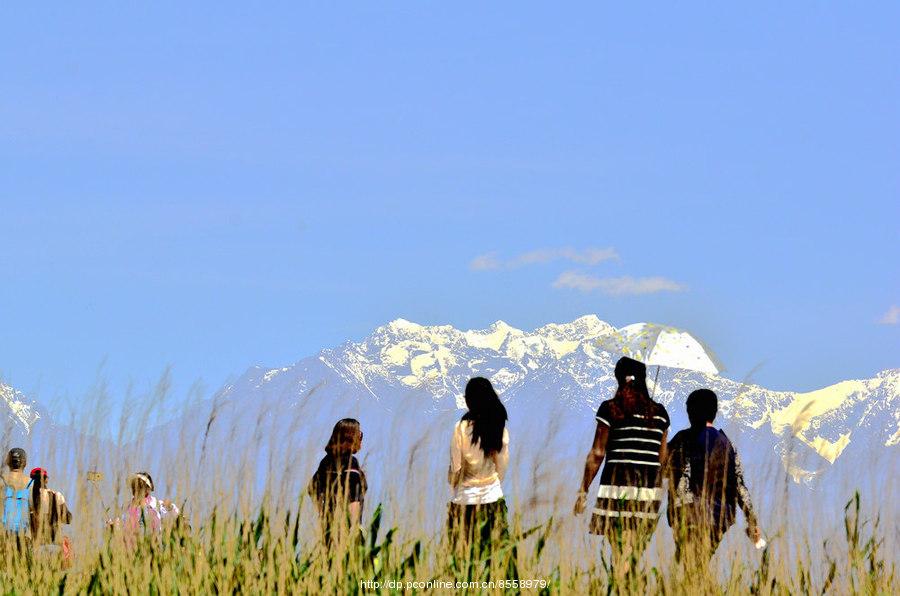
{"x": 592, "y": 464}
{"x": 355, "y": 511}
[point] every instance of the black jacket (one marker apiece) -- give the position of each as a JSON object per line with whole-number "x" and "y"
{"x": 706, "y": 480}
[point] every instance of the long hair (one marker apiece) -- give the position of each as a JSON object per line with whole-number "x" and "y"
{"x": 38, "y": 483}
{"x": 487, "y": 414}
{"x": 332, "y": 476}
{"x": 632, "y": 395}
{"x": 346, "y": 438}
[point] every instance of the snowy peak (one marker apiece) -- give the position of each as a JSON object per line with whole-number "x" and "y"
{"x": 584, "y": 327}
{"x": 20, "y": 413}
{"x": 494, "y": 336}
{"x": 439, "y": 359}
{"x": 491, "y": 338}
{"x": 402, "y": 325}
{"x": 824, "y": 419}
{"x": 402, "y": 341}
{"x": 661, "y": 345}
{"x": 572, "y": 364}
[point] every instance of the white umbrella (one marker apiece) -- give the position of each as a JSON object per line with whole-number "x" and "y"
{"x": 661, "y": 345}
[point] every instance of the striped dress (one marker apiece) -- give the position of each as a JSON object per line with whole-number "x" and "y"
{"x": 630, "y": 485}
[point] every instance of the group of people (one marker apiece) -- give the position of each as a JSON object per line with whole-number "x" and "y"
{"x": 705, "y": 479}
{"x": 479, "y": 455}
{"x": 32, "y": 512}
{"x": 34, "y": 515}
{"x": 703, "y": 471}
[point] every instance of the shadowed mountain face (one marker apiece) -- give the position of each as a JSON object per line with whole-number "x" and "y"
{"x": 405, "y": 382}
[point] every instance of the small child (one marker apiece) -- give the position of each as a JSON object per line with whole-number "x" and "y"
{"x": 706, "y": 483}
{"x": 146, "y": 512}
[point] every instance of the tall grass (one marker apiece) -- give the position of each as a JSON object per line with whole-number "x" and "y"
{"x": 248, "y": 527}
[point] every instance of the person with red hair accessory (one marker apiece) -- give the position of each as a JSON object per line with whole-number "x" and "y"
{"x": 48, "y": 513}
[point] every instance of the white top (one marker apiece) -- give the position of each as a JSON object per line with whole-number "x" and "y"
{"x": 474, "y": 478}
{"x": 477, "y": 495}
{"x": 164, "y": 512}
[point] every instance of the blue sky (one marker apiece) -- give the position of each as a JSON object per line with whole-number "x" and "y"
{"x": 214, "y": 187}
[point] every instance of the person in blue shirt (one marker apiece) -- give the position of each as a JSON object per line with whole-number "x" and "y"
{"x": 15, "y": 485}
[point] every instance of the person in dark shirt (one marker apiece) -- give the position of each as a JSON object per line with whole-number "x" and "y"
{"x": 339, "y": 484}
{"x": 706, "y": 483}
{"x": 631, "y": 436}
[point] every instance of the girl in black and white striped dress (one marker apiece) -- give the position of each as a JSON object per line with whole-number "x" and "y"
{"x": 631, "y": 435}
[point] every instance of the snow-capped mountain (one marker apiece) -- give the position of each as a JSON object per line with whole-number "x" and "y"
{"x": 405, "y": 382}
{"x": 804, "y": 453}
{"x": 565, "y": 369}
{"x": 18, "y": 414}
{"x": 439, "y": 360}
{"x": 569, "y": 360}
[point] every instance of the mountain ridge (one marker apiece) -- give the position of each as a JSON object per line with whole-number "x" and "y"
{"x": 569, "y": 357}
{"x": 565, "y": 365}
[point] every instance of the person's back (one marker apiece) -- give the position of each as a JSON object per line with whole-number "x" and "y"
{"x": 15, "y": 493}
{"x": 706, "y": 480}
{"x": 636, "y": 438}
{"x": 339, "y": 483}
{"x": 16, "y": 479}
{"x": 630, "y": 437}
{"x": 705, "y": 473}
{"x": 146, "y": 513}
{"x": 479, "y": 455}
{"x": 48, "y": 513}
{"x": 475, "y": 469}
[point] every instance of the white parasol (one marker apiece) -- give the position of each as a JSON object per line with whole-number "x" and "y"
{"x": 661, "y": 345}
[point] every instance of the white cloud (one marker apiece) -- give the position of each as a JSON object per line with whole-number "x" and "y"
{"x": 485, "y": 262}
{"x": 616, "y": 286}
{"x": 892, "y": 316}
{"x": 587, "y": 256}
{"x": 577, "y": 281}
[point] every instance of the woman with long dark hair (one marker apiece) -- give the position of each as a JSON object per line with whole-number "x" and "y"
{"x": 479, "y": 455}
{"x": 339, "y": 484}
{"x": 631, "y": 435}
{"x": 48, "y": 512}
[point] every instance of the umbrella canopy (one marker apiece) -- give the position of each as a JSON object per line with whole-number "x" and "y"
{"x": 661, "y": 345}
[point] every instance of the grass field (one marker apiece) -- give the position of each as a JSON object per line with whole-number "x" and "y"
{"x": 243, "y": 535}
